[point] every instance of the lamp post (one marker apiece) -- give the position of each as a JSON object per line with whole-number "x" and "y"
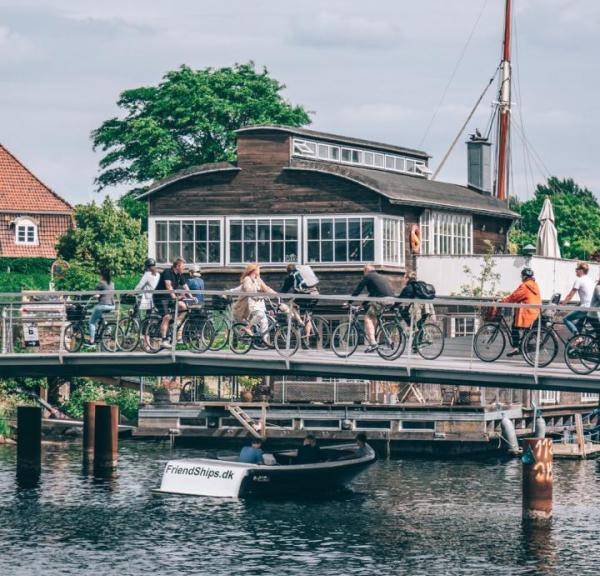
{"x": 528, "y": 252}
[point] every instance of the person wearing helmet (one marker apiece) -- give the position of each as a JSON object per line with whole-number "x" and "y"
{"x": 528, "y": 292}
{"x": 196, "y": 283}
{"x": 147, "y": 283}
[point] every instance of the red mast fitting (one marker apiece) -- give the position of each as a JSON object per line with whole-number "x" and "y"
{"x": 504, "y": 111}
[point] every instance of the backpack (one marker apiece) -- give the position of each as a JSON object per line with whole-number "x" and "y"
{"x": 304, "y": 278}
{"x": 423, "y": 290}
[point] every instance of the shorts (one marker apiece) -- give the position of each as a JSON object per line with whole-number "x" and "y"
{"x": 164, "y": 306}
{"x": 375, "y": 309}
{"x": 306, "y": 304}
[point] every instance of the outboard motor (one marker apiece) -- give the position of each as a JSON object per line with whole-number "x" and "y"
{"x": 509, "y": 434}
{"x": 540, "y": 425}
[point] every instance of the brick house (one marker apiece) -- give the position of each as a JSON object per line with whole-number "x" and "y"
{"x": 32, "y": 216}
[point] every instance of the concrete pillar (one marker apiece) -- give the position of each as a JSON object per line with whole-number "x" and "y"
{"x": 29, "y": 443}
{"x": 106, "y": 439}
{"x": 89, "y": 430}
{"x": 537, "y": 478}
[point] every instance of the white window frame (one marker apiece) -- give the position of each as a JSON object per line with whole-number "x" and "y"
{"x": 376, "y": 234}
{"x": 228, "y": 221}
{"x": 152, "y": 252}
{"x": 439, "y": 233}
{"x": 549, "y": 396}
{"x": 26, "y": 225}
{"x": 457, "y": 331}
{"x": 398, "y": 221}
{"x": 590, "y": 397}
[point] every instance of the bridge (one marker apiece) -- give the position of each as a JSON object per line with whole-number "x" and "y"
{"x": 456, "y": 365}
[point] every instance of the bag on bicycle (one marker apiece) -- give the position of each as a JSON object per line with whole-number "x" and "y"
{"x": 304, "y": 278}
{"x": 423, "y": 290}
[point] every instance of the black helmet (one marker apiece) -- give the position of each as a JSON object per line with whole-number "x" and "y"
{"x": 149, "y": 263}
{"x": 527, "y": 273}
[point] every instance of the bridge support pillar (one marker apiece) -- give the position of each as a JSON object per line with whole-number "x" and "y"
{"x": 537, "y": 478}
{"x": 106, "y": 439}
{"x": 89, "y": 430}
{"x": 29, "y": 444}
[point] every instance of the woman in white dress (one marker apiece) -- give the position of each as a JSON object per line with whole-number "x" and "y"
{"x": 148, "y": 283}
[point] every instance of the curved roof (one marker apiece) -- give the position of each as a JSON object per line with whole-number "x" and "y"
{"x": 324, "y": 136}
{"x": 411, "y": 190}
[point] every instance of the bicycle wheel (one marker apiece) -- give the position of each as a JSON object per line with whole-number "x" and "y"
{"x": 109, "y": 337}
{"x": 582, "y": 354}
{"x": 287, "y": 340}
{"x": 548, "y": 347}
{"x": 198, "y": 334}
{"x": 390, "y": 340}
{"x": 221, "y": 329}
{"x": 344, "y": 340}
{"x": 430, "y": 341}
{"x": 73, "y": 337}
{"x": 240, "y": 341}
{"x": 489, "y": 342}
{"x": 128, "y": 336}
{"x": 320, "y": 334}
{"x": 151, "y": 339}
{"x": 266, "y": 339}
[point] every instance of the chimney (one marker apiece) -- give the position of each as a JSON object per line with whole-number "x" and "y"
{"x": 479, "y": 159}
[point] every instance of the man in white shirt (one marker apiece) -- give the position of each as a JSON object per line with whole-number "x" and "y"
{"x": 584, "y": 288}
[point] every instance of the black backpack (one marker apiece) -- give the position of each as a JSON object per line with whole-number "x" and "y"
{"x": 423, "y": 290}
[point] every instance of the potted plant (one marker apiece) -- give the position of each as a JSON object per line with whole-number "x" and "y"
{"x": 248, "y": 386}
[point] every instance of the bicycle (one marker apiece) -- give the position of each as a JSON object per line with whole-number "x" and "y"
{"x": 319, "y": 329}
{"x": 280, "y": 334}
{"x": 77, "y": 329}
{"x": 489, "y": 342}
{"x": 220, "y": 318}
{"x": 582, "y": 353}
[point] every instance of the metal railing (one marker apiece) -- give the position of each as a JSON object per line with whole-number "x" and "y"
{"x": 474, "y": 333}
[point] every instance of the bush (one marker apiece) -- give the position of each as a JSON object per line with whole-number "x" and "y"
{"x": 15, "y": 282}
{"x": 26, "y": 265}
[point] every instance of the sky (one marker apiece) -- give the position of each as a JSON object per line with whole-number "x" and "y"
{"x": 375, "y": 70}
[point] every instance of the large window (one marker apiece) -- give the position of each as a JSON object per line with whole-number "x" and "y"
{"x": 393, "y": 240}
{"x": 265, "y": 240}
{"x": 196, "y": 241}
{"x": 26, "y": 232}
{"x": 340, "y": 239}
{"x": 446, "y": 233}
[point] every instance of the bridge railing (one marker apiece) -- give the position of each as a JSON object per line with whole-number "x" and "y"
{"x": 473, "y": 332}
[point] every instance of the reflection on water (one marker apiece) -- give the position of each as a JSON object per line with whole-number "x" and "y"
{"x": 401, "y": 517}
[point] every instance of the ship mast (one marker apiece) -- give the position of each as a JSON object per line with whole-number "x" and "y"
{"x": 504, "y": 111}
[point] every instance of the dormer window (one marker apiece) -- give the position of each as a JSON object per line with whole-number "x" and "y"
{"x": 26, "y": 231}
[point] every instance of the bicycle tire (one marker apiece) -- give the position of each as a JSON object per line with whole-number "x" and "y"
{"x": 73, "y": 337}
{"x": 344, "y": 340}
{"x": 430, "y": 341}
{"x": 108, "y": 337}
{"x": 151, "y": 338}
{"x": 281, "y": 341}
{"x": 221, "y": 328}
{"x": 548, "y": 347}
{"x": 320, "y": 333}
{"x": 128, "y": 337}
{"x": 240, "y": 341}
{"x": 583, "y": 348}
{"x": 391, "y": 340}
{"x": 197, "y": 333}
{"x": 489, "y": 342}
{"x": 265, "y": 340}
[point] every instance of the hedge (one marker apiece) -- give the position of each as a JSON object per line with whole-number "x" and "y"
{"x": 25, "y": 265}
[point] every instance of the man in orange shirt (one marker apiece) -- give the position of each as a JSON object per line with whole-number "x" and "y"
{"x": 528, "y": 292}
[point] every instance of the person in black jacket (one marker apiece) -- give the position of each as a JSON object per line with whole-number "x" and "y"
{"x": 377, "y": 286}
{"x": 410, "y": 291}
{"x": 309, "y": 452}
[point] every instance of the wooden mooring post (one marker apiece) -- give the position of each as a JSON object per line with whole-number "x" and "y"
{"x": 106, "y": 439}
{"x": 537, "y": 478}
{"x": 89, "y": 430}
{"x": 29, "y": 443}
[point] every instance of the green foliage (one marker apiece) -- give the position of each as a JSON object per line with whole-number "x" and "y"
{"x": 483, "y": 284}
{"x": 15, "y": 282}
{"x": 4, "y": 427}
{"x": 29, "y": 266}
{"x": 190, "y": 118}
{"x": 577, "y": 218}
{"x": 105, "y": 236}
{"x": 249, "y": 382}
{"x": 137, "y": 209}
{"x": 79, "y": 276}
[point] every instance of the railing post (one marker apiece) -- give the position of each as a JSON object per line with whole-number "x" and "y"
{"x": 473, "y": 337}
{"x": 335, "y": 391}
{"x": 175, "y": 330}
{"x": 117, "y": 328}
{"x": 4, "y": 349}
{"x": 537, "y": 348}
{"x": 410, "y": 339}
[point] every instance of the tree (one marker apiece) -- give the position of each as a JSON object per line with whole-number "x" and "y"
{"x": 190, "y": 118}
{"x": 577, "y": 218}
{"x": 105, "y": 236}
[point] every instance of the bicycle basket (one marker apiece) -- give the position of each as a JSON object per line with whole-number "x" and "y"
{"x": 75, "y": 312}
{"x": 220, "y": 302}
{"x": 491, "y": 314}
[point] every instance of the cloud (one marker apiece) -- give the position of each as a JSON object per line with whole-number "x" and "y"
{"x": 14, "y": 47}
{"x": 328, "y": 30}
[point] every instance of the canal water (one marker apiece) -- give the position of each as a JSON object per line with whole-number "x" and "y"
{"x": 400, "y": 517}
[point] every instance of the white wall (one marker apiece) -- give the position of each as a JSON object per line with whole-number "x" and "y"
{"x": 447, "y": 274}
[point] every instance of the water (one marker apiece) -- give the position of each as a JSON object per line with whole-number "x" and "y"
{"x": 401, "y": 517}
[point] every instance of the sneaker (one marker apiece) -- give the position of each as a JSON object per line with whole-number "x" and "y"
{"x": 371, "y": 348}
{"x": 165, "y": 344}
{"x": 89, "y": 345}
{"x": 515, "y": 352}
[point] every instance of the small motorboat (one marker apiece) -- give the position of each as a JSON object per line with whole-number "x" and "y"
{"x": 228, "y": 478}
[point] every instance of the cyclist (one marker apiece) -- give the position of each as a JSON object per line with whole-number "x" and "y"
{"x": 377, "y": 286}
{"x": 147, "y": 283}
{"x": 196, "y": 284}
{"x": 171, "y": 279}
{"x": 252, "y": 309}
{"x": 296, "y": 282}
{"x": 528, "y": 292}
{"x": 412, "y": 291}
{"x": 584, "y": 288}
{"x": 106, "y": 303}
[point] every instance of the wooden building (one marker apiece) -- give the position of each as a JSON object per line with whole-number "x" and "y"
{"x": 334, "y": 202}
{"x": 32, "y": 216}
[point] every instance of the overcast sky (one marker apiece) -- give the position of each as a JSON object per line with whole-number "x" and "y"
{"x": 373, "y": 69}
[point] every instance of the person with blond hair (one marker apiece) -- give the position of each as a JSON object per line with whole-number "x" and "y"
{"x": 584, "y": 288}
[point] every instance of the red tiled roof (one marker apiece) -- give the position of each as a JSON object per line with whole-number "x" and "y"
{"x": 50, "y": 227}
{"x": 20, "y": 190}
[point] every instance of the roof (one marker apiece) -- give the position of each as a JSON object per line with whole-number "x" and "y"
{"x": 411, "y": 190}
{"x": 199, "y": 170}
{"x": 22, "y": 191}
{"x": 333, "y": 138}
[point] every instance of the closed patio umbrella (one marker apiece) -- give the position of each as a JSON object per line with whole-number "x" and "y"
{"x": 547, "y": 238}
